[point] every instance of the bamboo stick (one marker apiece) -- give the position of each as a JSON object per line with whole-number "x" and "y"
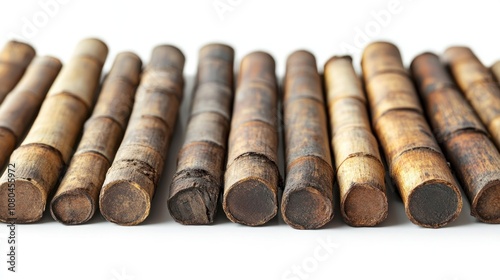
{"x": 360, "y": 171}
{"x": 48, "y": 147}
{"x": 478, "y": 85}
{"x": 20, "y": 107}
{"x": 195, "y": 188}
{"x": 76, "y": 198}
{"x": 252, "y": 178}
{"x": 14, "y": 59}
{"x": 307, "y": 201}
{"x": 459, "y": 131}
{"x": 131, "y": 181}
{"x": 416, "y": 163}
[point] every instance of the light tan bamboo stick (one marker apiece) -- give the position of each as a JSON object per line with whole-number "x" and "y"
{"x": 14, "y": 59}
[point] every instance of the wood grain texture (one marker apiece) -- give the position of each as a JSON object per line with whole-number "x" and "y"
{"x": 416, "y": 164}
{"x": 252, "y": 178}
{"x": 359, "y": 168}
{"x": 76, "y": 199}
{"x": 460, "y": 132}
{"x": 196, "y": 186}
{"x": 130, "y": 183}
{"x": 14, "y": 59}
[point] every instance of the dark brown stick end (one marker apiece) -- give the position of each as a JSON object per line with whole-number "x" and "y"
{"x": 365, "y": 206}
{"x": 29, "y": 202}
{"x": 124, "y": 203}
{"x": 306, "y": 208}
{"x": 487, "y": 204}
{"x": 72, "y": 207}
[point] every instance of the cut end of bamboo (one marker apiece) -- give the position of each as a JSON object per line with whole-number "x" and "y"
{"x": 311, "y": 209}
{"x": 487, "y": 204}
{"x": 434, "y": 204}
{"x": 16, "y": 52}
{"x": 30, "y": 201}
{"x": 72, "y": 207}
{"x": 364, "y": 206}
{"x": 124, "y": 203}
{"x": 379, "y": 57}
{"x": 457, "y": 53}
{"x": 196, "y": 202}
{"x": 217, "y": 51}
{"x": 165, "y": 57}
{"x": 93, "y": 48}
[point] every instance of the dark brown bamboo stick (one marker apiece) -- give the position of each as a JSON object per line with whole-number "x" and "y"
{"x": 195, "y": 188}
{"x": 20, "y": 107}
{"x": 460, "y": 132}
{"x": 478, "y": 85}
{"x": 416, "y": 163}
{"x": 307, "y": 201}
{"x": 360, "y": 171}
{"x": 14, "y": 59}
{"x": 252, "y": 178}
{"x": 77, "y": 196}
{"x": 131, "y": 181}
{"x": 49, "y": 145}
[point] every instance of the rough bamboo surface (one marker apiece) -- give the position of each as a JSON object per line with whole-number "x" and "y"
{"x": 131, "y": 181}
{"x": 307, "y": 201}
{"x": 20, "y": 107}
{"x": 252, "y": 177}
{"x": 478, "y": 85}
{"x": 359, "y": 168}
{"x": 462, "y": 135}
{"x": 49, "y": 145}
{"x": 76, "y": 198}
{"x": 416, "y": 164}
{"x": 14, "y": 59}
{"x": 195, "y": 188}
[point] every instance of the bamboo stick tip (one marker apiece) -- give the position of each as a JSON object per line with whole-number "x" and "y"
{"x": 72, "y": 207}
{"x": 196, "y": 202}
{"x": 217, "y": 50}
{"x": 259, "y": 57}
{"x": 250, "y": 202}
{"x": 364, "y": 205}
{"x": 306, "y": 208}
{"x": 49, "y": 61}
{"x": 456, "y": 53}
{"x": 301, "y": 58}
{"x": 337, "y": 58}
{"x": 29, "y": 205}
{"x": 16, "y": 52}
{"x": 166, "y": 56}
{"x": 124, "y": 203}
{"x": 486, "y": 207}
{"x": 423, "y": 58}
{"x": 92, "y": 47}
{"x": 434, "y": 204}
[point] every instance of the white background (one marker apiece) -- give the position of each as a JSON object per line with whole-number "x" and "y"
{"x": 163, "y": 249}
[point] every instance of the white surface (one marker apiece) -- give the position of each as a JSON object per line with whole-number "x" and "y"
{"x": 163, "y": 249}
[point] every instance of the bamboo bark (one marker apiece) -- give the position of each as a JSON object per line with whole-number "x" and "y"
{"x": 14, "y": 60}
{"x": 195, "y": 188}
{"x": 307, "y": 201}
{"x": 416, "y": 164}
{"x": 49, "y": 145}
{"x": 76, "y": 198}
{"x": 131, "y": 181}
{"x": 252, "y": 178}
{"x": 459, "y": 131}
{"x": 359, "y": 168}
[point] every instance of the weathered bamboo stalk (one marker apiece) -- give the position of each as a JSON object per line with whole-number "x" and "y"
{"x": 20, "y": 107}
{"x": 49, "y": 145}
{"x": 478, "y": 85}
{"x": 195, "y": 188}
{"x": 131, "y": 181}
{"x": 14, "y": 59}
{"x": 459, "y": 131}
{"x": 77, "y": 196}
{"x": 416, "y": 163}
{"x": 360, "y": 171}
{"x": 307, "y": 201}
{"x": 252, "y": 178}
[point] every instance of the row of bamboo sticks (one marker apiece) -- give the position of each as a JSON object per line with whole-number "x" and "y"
{"x": 79, "y": 151}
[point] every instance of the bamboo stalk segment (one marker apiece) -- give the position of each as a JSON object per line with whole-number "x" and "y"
{"x": 252, "y": 178}
{"x": 49, "y": 144}
{"x": 360, "y": 171}
{"x": 195, "y": 189}
{"x": 416, "y": 164}
{"x": 20, "y": 107}
{"x": 76, "y": 198}
{"x": 307, "y": 201}
{"x": 460, "y": 131}
{"x": 478, "y": 85}
{"x": 14, "y": 59}
{"x": 130, "y": 183}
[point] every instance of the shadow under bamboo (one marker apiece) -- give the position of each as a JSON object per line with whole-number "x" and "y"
{"x": 130, "y": 183}
{"x": 49, "y": 145}
{"x": 465, "y": 140}
{"x": 416, "y": 164}
{"x": 14, "y": 60}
